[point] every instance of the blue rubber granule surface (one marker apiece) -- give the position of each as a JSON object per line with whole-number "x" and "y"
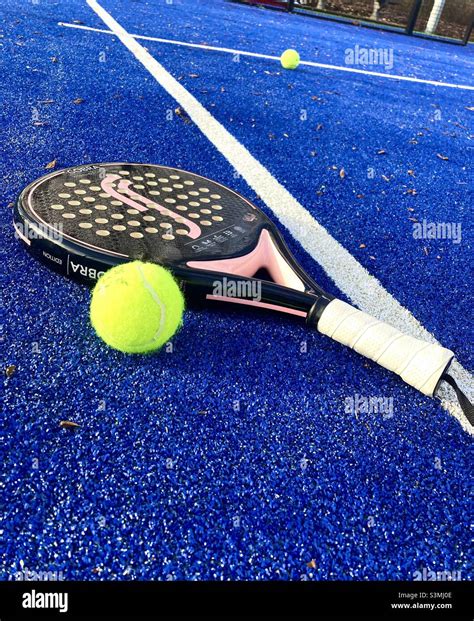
{"x": 232, "y": 456}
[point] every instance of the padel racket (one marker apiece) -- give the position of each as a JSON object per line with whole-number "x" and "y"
{"x": 83, "y": 220}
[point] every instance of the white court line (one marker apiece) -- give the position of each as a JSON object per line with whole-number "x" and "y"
{"x": 309, "y": 63}
{"x": 349, "y": 275}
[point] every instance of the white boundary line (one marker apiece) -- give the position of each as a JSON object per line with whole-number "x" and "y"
{"x": 353, "y": 279}
{"x": 309, "y": 63}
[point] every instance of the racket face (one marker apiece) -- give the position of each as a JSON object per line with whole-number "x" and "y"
{"x": 81, "y": 221}
{"x": 142, "y": 211}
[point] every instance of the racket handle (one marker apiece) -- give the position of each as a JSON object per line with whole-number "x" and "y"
{"x": 418, "y": 363}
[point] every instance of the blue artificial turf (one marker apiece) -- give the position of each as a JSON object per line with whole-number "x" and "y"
{"x": 233, "y": 457}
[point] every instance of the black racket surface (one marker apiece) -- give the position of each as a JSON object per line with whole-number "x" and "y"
{"x": 82, "y": 220}
{"x": 136, "y": 210}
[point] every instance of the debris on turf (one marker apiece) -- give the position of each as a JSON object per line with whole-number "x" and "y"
{"x": 183, "y": 115}
{"x": 78, "y": 100}
{"x": 442, "y": 157}
{"x": 68, "y": 424}
{"x": 10, "y": 370}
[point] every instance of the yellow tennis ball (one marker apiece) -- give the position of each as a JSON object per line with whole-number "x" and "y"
{"x": 136, "y": 307}
{"x": 290, "y": 59}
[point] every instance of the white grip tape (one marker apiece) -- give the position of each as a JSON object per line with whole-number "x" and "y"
{"x": 418, "y": 363}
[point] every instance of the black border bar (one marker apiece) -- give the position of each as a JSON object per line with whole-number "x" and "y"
{"x": 344, "y": 600}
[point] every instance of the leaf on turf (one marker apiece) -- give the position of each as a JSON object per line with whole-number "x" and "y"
{"x": 10, "y": 370}
{"x": 68, "y": 424}
{"x": 78, "y": 100}
{"x": 342, "y": 173}
{"x": 51, "y": 165}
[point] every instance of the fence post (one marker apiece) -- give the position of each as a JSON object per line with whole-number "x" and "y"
{"x": 467, "y": 34}
{"x": 415, "y": 9}
{"x": 435, "y": 16}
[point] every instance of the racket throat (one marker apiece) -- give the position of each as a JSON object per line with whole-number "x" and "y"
{"x": 265, "y": 256}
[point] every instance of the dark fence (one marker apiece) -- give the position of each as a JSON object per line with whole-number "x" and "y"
{"x": 451, "y": 20}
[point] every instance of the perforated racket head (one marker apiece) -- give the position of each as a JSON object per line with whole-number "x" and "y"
{"x": 82, "y": 220}
{"x": 137, "y": 211}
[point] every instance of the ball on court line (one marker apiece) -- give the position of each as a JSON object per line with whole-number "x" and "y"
{"x": 290, "y": 59}
{"x": 136, "y": 307}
